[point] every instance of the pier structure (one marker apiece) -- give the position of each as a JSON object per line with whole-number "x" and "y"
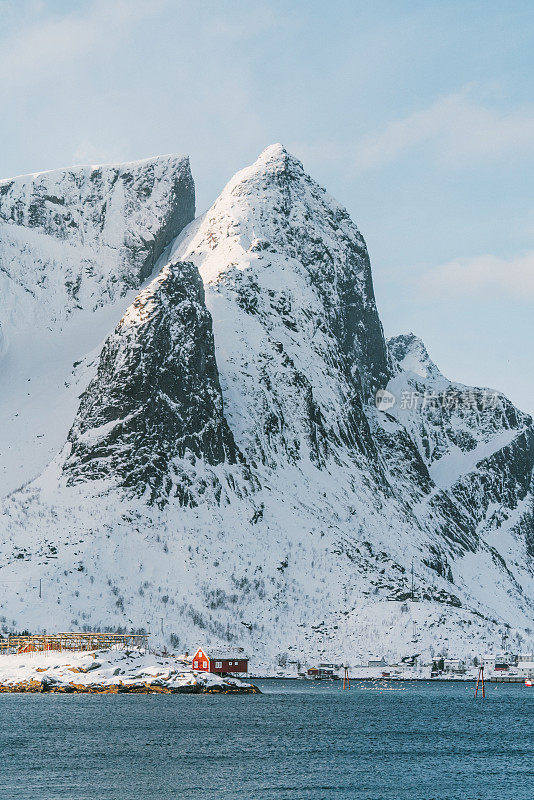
{"x": 71, "y": 641}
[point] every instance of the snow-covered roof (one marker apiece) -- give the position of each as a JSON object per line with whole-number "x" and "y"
{"x": 226, "y": 655}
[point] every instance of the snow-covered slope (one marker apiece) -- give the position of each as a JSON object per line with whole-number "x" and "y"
{"x": 228, "y": 473}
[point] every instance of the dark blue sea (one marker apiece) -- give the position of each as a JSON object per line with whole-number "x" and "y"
{"x": 298, "y": 740}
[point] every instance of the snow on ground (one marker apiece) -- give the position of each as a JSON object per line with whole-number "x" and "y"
{"x": 108, "y": 670}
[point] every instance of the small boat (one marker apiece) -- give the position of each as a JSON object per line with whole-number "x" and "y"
{"x": 529, "y": 682}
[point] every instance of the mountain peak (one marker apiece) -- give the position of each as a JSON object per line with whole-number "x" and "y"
{"x": 78, "y": 238}
{"x": 276, "y": 236}
{"x": 273, "y": 152}
{"x": 412, "y": 356}
{"x": 275, "y": 155}
{"x": 271, "y": 163}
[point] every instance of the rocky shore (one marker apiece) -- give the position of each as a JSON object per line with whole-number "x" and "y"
{"x": 111, "y": 672}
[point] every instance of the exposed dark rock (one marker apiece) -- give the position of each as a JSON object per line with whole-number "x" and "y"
{"x": 155, "y": 405}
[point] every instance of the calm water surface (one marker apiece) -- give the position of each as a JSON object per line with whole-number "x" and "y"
{"x": 299, "y": 740}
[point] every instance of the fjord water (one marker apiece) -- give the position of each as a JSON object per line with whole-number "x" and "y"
{"x": 298, "y": 740}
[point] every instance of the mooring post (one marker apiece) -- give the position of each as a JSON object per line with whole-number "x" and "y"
{"x": 346, "y": 679}
{"x": 480, "y": 682}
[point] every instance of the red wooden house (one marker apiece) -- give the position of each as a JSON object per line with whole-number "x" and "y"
{"x": 219, "y": 663}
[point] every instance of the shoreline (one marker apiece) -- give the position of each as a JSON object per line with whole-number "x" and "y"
{"x": 397, "y": 679}
{"x": 39, "y": 687}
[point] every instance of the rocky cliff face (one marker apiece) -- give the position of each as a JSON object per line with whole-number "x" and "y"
{"x": 155, "y": 406}
{"x": 228, "y": 470}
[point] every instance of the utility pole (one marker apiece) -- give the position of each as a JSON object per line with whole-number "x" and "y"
{"x": 40, "y": 587}
{"x": 412, "y": 578}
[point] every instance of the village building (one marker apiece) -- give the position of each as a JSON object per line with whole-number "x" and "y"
{"x": 525, "y": 657}
{"x": 455, "y": 665}
{"x": 501, "y": 664}
{"x": 374, "y": 661}
{"x": 219, "y": 663}
{"x": 526, "y": 669}
{"x": 322, "y": 672}
{"x": 71, "y": 640}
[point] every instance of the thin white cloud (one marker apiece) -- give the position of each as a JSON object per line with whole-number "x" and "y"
{"x": 89, "y": 153}
{"x": 456, "y": 127}
{"x": 50, "y": 44}
{"x": 484, "y": 275}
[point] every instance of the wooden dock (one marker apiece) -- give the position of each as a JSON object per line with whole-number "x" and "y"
{"x": 39, "y": 643}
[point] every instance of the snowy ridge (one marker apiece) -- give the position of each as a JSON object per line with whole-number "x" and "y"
{"x": 476, "y": 444}
{"x": 456, "y": 428}
{"x": 228, "y": 471}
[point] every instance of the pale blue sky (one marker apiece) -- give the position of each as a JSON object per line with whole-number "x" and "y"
{"x": 418, "y": 116}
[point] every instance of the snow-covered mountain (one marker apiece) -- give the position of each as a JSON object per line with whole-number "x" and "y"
{"x": 226, "y": 475}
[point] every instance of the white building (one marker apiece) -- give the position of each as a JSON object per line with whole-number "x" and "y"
{"x": 526, "y": 669}
{"x": 375, "y": 661}
{"x": 454, "y": 665}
